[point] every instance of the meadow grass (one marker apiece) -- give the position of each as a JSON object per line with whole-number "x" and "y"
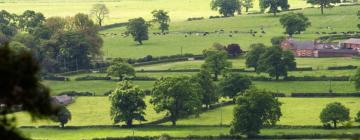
{"x": 287, "y": 87}
{"x": 98, "y": 87}
{"x": 89, "y": 111}
{"x": 296, "y": 111}
{"x": 332, "y": 21}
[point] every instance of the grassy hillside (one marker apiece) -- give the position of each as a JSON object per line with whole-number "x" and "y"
{"x": 332, "y": 21}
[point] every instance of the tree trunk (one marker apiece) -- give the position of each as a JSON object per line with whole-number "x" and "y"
{"x": 62, "y": 125}
{"x": 173, "y": 119}
{"x": 274, "y": 13}
{"x": 121, "y": 78}
{"x": 322, "y": 9}
{"x": 247, "y": 9}
{"x": 129, "y": 123}
{"x": 216, "y": 76}
{"x": 100, "y": 22}
{"x": 277, "y": 77}
{"x": 140, "y": 42}
{"x": 334, "y": 124}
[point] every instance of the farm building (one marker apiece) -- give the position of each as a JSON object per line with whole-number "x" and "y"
{"x": 62, "y": 100}
{"x": 352, "y": 43}
{"x": 315, "y": 49}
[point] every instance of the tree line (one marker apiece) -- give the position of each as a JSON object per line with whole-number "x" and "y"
{"x": 229, "y": 7}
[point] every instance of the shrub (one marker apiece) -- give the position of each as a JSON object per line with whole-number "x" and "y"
{"x": 195, "y": 18}
{"x": 348, "y": 67}
{"x": 88, "y": 77}
{"x": 55, "y": 78}
{"x": 75, "y": 93}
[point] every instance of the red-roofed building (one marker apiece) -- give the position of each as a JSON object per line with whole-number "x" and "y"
{"x": 352, "y": 43}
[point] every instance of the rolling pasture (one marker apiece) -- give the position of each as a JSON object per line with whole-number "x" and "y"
{"x": 287, "y": 87}
{"x": 122, "y": 10}
{"x": 88, "y": 111}
{"x": 177, "y": 40}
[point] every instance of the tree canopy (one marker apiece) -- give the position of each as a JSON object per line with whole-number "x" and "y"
{"x": 356, "y": 79}
{"x": 121, "y": 69}
{"x": 225, "y": 7}
{"x": 276, "y": 62}
{"x": 99, "y": 11}
{"x": 207, "y": 88}
{"x": 234, "y": 84}
{"x": 138, "y": 29}
{"x": 216, "y": 62}
{"x": 294, "y": 23}
{"x": 179, "y": 96}
{"x": 162, "y": 18}
{"x": 20, "y": 85}
{"x": 253, "y": 56}
{"x": 63, "y": 115}
{"x": 334, "y": 113}
{"x": 253, "y": 110}
{"x": 274, "y": 5}
{"x": 323, "y": 3}
{"x": 127, "y": 103}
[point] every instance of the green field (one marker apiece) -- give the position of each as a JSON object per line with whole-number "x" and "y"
{"x": 315, "y": 63}
{"x": 296, "y": 111}
{"x": 117, "y": 46}
{"x": 90, "y": 111}
{"x": 101, "y": 87}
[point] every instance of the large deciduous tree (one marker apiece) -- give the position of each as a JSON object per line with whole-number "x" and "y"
{"x": 20, "y": 88}
{"x": 253, "y": 110}
{"x": 63, "y": 115}
{"x": 233, "y": 50}
{"x": 216, "y": 62}
{"x": 323, "y": 3}
{"x": 294, "y": 23}
{"x": 8, "y": 27}
{"x": 276, "y": 62}
{"x": 233, "y": 85}
{"x": 162, "y": 18}
{"x": 253, "y": 56}
{"x": 99, "y": 11}
{"x": 225, "y": 7}
{"x": 127, "y": 104}
{"x": 334, "y": 113}
{"x": 274, "y": 5}
{"x": 178, "y": 96}
{"x": 207, "y": 88}
{"x": 138, "y": 29}
{"x": 121, "y": 69}
{"x": 30, "y": 19}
